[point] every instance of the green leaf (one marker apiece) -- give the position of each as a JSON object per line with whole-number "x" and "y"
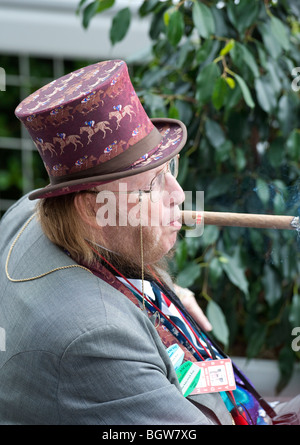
{"x": 293, "y": 145}
{"x": 223, "y": 152}
{"x": 154, "y": 77}
{"x": 235, "y": 271}
{"x": 286, "y": 366}
{"x": 265, "y": 94}
{"x": 228, "y": 47}
{"x": 262, "y": 190}
{"x": 88, "y": 13}
{"x": 275, "y": 152}
{"x": 214, "y": 133}
{"x": 80, "y": 5}
{"x": 185, "y": 54}
{"x": 175, "y": 27}
{"x": 185, "y": 111}
{"x": 294, "y": 316}
{"x": 279, "y": 205}
{"x": 220, "y": 93}
{"x": 181, "y": 254}
{"x": 218, "y": 187}
{"x": 193, "y": 245}
{"x": 184, "y": 170}
{"x": 210, "y": 235}
{"x": 155, "y": 103}
{"x": 287, "y": 114}
{"x": 247, "y": 58}
{"x": 279, "y": 32}
{"x": 245, "y": 91}
{"x": 270, "y": 42}
{"x": 104, "y": 4}
{"x": 205, "y": 51}
{"x": 230, "y": 82}
{"x": 243, "y": 14}
{"x": 120, "y": 25}
{"x": 167, "y": 14}
{"x": 205, "y": 82}
{"x": 256, "y": 341}
{"x": 262, "y": 55}
{"x": 271, "y": 285}
{"x": 218, "y": 321}
{"x": 188, "y": 275}
{"x": 240, "y": 159}
{"x": 148, "y": 6}
{"x": 203, "y": 19}
{"x": 273, "y": 76}
{"x": 234, "y": 98}
{"x": 5, "y": 180}
{"x": 215, "y": 270}
{"x": 173, "y": 112}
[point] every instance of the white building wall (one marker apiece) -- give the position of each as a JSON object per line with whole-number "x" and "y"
{"x": 52, "y": 27}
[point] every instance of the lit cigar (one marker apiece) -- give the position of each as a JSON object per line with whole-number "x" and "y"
{"x": 190, "y": 217}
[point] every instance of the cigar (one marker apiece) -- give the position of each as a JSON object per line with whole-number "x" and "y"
{"x": 190, "y": 217}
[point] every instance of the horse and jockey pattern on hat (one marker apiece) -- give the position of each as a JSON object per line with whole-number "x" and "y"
{"x": 90, "y": 127}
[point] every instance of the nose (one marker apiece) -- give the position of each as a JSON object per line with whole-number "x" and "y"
{"x": 175, "y": 193}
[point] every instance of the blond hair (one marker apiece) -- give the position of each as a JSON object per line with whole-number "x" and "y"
{"x": 63, "y": 226}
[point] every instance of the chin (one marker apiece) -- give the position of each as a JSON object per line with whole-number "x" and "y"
{"x": 158, "y": 243}
{"x": 168, "y": 242}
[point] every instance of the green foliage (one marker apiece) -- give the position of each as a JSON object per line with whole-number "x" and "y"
{"x": 120, "y": 25}
{"x": 227, "y": 70}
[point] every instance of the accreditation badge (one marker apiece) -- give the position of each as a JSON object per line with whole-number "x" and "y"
{"x": 216, "y": 376}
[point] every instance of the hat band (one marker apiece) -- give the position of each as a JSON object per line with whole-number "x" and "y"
{"x": 119, "y": 163}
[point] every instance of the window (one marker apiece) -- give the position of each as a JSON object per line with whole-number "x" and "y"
{"x": 21, "y": 168}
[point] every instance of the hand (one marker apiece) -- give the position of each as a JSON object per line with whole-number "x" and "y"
{"x": 188, "y": 299}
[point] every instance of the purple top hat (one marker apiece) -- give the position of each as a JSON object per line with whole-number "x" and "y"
{"x": 90, "y": 128}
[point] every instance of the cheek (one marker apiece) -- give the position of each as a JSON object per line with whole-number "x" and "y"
{"x": 159, "y": 235}
{"x": 158, "y": 215}
{"x": 163, "y": 238}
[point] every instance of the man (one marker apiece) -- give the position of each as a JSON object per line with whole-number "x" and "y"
{"x": 88, "y": 309}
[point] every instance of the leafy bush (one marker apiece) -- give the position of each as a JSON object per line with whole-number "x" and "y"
{"x": 230, "y": 71}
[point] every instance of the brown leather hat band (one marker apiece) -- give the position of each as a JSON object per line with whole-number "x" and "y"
{"x": 121, "y": 162}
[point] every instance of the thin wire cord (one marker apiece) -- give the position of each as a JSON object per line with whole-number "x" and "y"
{"x": 141, "y": 247}
{"x": 22, "y": 280}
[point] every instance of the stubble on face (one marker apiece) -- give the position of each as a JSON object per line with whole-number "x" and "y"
{"x": 127, "y": 241}
{"x": 143, "y": 223}
{"x": 126, "y": 257}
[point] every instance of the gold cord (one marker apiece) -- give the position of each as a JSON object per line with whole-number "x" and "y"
{"x": 141, "y": 247}
{"x": 19, "y": 280}
{"x": 156, "y": 315}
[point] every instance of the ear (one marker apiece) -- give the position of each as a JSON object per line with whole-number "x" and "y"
{"x": 85, "y": 204}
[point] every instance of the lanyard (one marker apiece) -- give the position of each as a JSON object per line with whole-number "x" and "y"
{"x": 211, "y": 354}
{"x": 168, "y": 319}
{"x": 156, "y": 308}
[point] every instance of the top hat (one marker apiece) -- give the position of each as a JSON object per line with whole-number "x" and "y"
{"x": 90, "y": 128}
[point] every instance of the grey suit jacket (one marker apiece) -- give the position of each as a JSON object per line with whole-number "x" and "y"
{"x": 76, "y": 350}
